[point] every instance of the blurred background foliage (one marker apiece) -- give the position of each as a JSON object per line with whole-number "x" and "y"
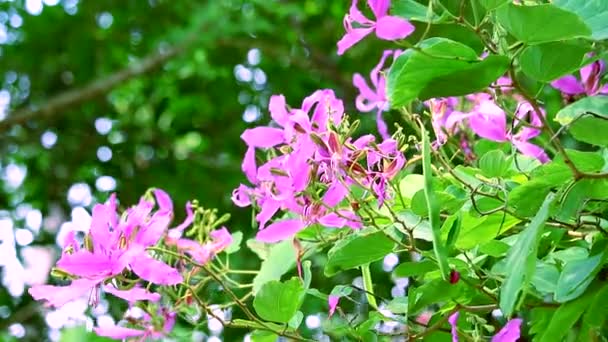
{"x": 123, "y": 95}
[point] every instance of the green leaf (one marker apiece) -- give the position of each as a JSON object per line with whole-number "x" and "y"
{"x": 476, "y": 230}
{"x": 281, "y": 258}
{"x": 494, "y": 164}
{"x": 80, "y": 333}
{"x": 433, "y": 207}
{"x": 493, "y": 4}
{"x": 235, "y": 246}
{"x": 593, "y": 12}
{"x": 576, "y": 276}
{"x": 595, "y": 317}
{"x": 410, "y": 184}
{"x": 495, "y": 248}
{"x": 341, "y": 290}
{"x": 277, "y": 301}
{"x": 435, "y": 291}
{"x": 564, "y": 319}
{"x": 412, "y": 10}
{"x": 357, "y": 250}
{"x": 541, "y": 23}
{"x": 442, "y": 68}
{"x": 263, "y": 336}
{"x": 545, "y": 277}
{"x": 398, "y": 305}
{"x": 543, "y": 62}
{"x": 414, "y": 268}
{"x": 587, "y": 119}
{"x": 296, "y": 320}
{"x": 521, "y": 260}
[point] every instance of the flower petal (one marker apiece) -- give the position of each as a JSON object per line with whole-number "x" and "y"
{"x": 277, "y": 107}
{"x": 281, "y": 230}
{"x": 379, "y": 7}
{"x": 117, "y": 332}
{"x": 568, "y": 85}
{"x": 91, "y": 265}
{"x": 133, "y": 295}
{"x": 510, "y": 332}
{"x": 249, "y": 166}
{"x": 453, "y": 319}
{"x": 57, "y": 296}
{"x": 154, "y": 271}
{"x": 263, "y": 137}
{"x": 393, "y": 28}
{"x": 332, "y": 301}
{"x": 352, "y": 37}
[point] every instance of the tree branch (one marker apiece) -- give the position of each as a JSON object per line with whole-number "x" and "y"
{"x": 97, "y": 88}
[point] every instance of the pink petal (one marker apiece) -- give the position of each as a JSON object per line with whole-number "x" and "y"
{"x": 531, "y": 150}
{"x": 510, "y": 332}
{"x": 281, "y": 230}
{"x": 86, "y": 264}
{"x": 221, "y": 239}
{"x": 118, "y": 333}
{"x": 154, "y": 271}
{"x": 102, "y": 221}
{"x": 489, "y": 122}
{"x": 133, "y": 295}
{"x": 335, "y": 194}
{"x": 352, "y": 37}
{"x": 453, "y": 319}
{"x": 568, "y": 85}
{"x": 201, "y": 254}
{"x": 57, "y": 296}
{"x": 367, "y": 99}
{"x": 379, "y": 7}
{"x": 177, "y": 231}
{"x": 269, "y": 208}
{"x": 240, "y": 196}
{"x": 163, "y": 200}
{"x": 382, "y": 128}
{"x": 277, "y": 107}
{"x": 332, "y": 301}
{"x": 263, "y": 137}
{"x": 393, "y": 28}
{"x": 249, "y": 166}
{"x": 355, "y": 15}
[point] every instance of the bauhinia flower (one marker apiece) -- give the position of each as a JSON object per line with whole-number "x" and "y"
{"x": 589, "y": 83}
{"x": 202, "y": 253}
{"x": 112, "y": 246}
{"x": 374, "y": 97}
{"x": 387, "y": 27}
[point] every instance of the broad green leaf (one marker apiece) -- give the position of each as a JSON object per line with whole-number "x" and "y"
{"x": 296, "y": 320}
{"x": 595, "y": 317}
{"x": 476, "y": 230}
{"x": 545, "y": 277}
{"x": 540, "y": 318}
{"x": 494, "y": 248}
{"x": 521, "y": 260}
{"x": 587, "y": 119}
{"x": 547, "y": 62}
{"x": 528, "y": 197}
{"x": 433, "y": 207}
{"x": 414, "y": 268}
{"x": 493, "y": 4}
{"x": 541, "y": 23}
{"x": 564, "y": 319}
{"x": 263, "y": 336}
{"x": 442, "y": 68}
{"x": 494, "y": 164}
{"x": 341, "y": 290}
{"x": 576, "y": 277}
{"x": 410, "y": 184}
{"x": 277, "y": 301}
{"x": 281, "y": 258}
{"x": 593, "y": 12}
{"x": 235, "y": 246}
{"x": 357, "y": 250}
{"x": 80, "y": 333}
{"x": 435, "y": 291}
{"x": 412, "y": 10}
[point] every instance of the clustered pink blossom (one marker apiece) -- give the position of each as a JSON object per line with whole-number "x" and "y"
{"x": 117, "y": 246}
{"x": 489, "y": 121}
{"x": 589, "y": 83}
{"x": 308, "y": 151}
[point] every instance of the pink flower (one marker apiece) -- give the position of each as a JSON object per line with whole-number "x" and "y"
{"x": 453, "y": 319}
{"x": 510, "y": 332}
{"x": 375, "y": 97}
{"x": 112, "y": 246}
{"x": 387, "y": 27}
{"x": 590, "y": 76}
{"x": 220, "y": 240}
{"x": 332, "y": 302}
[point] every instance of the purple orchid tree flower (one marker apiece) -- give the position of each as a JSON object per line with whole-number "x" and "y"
{"x": 332, "y": 302}
{"x": 589, "y": 83}
{"x": 113, "y": 246}
{"x": 453, "y": 320}
{"x": 202, "y": 253}
{"x": 387, "y": 27}
{"x": 375, "y": 97}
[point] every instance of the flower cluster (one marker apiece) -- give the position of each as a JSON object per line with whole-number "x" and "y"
{"x": 312, "y": 166}
{"x": 115, "y": 257}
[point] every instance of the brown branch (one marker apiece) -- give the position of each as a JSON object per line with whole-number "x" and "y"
{"x": 56, "y": 105}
